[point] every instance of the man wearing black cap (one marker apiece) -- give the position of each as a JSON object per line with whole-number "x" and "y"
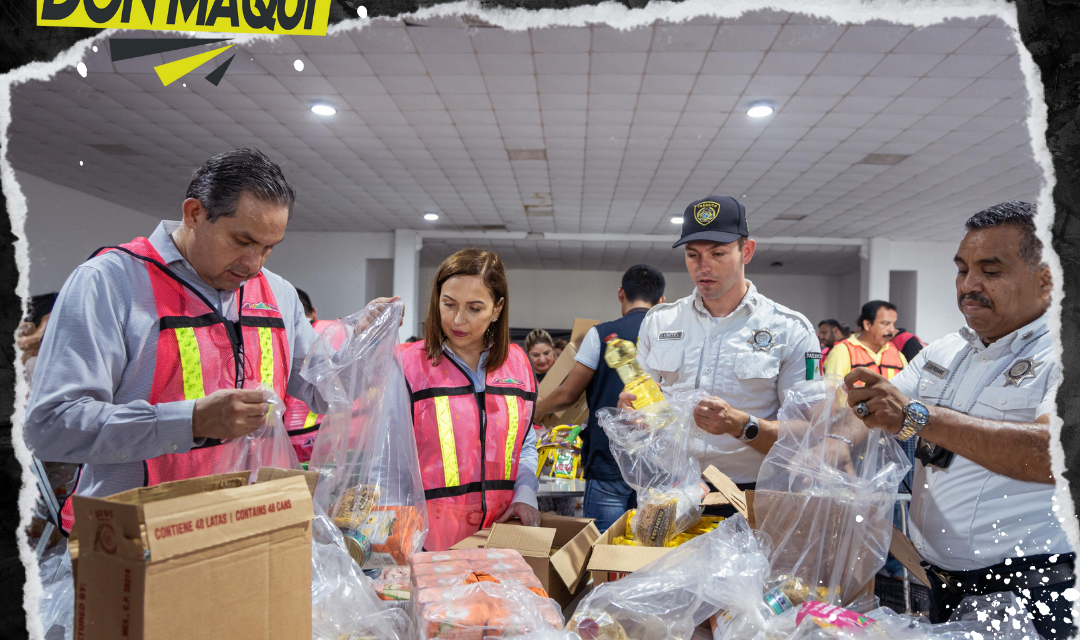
{"x": 745, "y": 350}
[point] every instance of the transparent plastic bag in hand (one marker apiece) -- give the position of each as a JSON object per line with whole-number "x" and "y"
{"x": 723, "y": 569}
{"x": 57, "y": 604}
{"x": 365, "y": 451}
{"x": 267, "y": 446}
{"x": 651, "y": 448}
{"x": 827, "y": 505}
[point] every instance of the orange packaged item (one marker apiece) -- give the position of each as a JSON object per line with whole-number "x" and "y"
{"x": 437, "y": 581}
{"x": 484, "y": 609}
{"x": 392, "y": 532}
{"x": 440, "y": 568}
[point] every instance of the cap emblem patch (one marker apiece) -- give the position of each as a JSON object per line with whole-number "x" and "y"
{"x": 706, "y": 212}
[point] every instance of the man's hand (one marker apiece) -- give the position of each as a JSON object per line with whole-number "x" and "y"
{"x": 626, "y": 401}
{"x": 229, "y": 413}
{"x": 883, "y": 400}
{"x": 529, "y": 516}
{"x": 717, "y": 417}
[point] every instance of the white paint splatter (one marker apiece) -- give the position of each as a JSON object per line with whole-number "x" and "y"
{"x": 81, "y": 68}
{"x": 1042, "y": 607}
{"x": 298, "y": 65}
{"x": 858, "y": 518}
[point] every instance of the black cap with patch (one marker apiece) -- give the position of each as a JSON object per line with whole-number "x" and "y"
{"x": 714, "y": 219}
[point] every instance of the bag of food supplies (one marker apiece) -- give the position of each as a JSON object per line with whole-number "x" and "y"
{"x": 825, "y": 494}
{"x": 365, "y": 451}
{"x": 267, "y": 446}
{"x": 670, "y": 596}
{"x": 651, "y": 449}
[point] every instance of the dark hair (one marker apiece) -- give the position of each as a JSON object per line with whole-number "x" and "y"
{"x": 220, "y": 182}
{"x": 846, "y": 330}
{"x": 559, "y": 344}
{"x": 538, "y": 336}
{"x": 870, "y": 311}
{"x": 1018, "y": 214}
{"x": 832, "y": 322}
{"x": 488, "y": 267}
{"x": 39, "y": 307}
{"x": 643, "y": 283}
{"x": 306, "y": 301}
{"x": 412, "y": 339}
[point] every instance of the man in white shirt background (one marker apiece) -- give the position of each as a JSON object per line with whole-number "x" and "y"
{"x": 983, "y": 515}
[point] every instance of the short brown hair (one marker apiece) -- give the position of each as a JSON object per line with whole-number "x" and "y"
{"x": 488, "y": 267}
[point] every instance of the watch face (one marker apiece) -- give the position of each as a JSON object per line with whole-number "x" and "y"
{"x": 917, "y": 413}
{"x": 751, "y": 431}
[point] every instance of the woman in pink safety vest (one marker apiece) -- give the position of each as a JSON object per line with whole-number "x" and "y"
{"x": 473, "y": 394}
{"x": 301, "y": 423}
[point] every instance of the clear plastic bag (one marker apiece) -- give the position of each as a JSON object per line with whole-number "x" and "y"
{"x": 57, "y": 604}
{"x": 651, "y": 447}
{"x": 670, "y": 596}
{"x": 267, "y": 446}
{"x": 486, "y": 609}
{"x": 825, "y": 494}
{"x": 365, "y": 451}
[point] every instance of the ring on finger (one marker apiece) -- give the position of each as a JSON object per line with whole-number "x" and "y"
{"x": 862, "y": 410}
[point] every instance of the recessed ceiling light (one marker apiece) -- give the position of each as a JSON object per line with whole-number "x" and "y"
{"x": 431, "y": 217}
{"x": 676, "y": 220}
{"x": 323, "y": 110}
{"x": 759, "y": 110}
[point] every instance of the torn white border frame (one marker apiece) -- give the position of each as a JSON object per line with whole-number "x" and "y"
{"x": 915, "y": 13}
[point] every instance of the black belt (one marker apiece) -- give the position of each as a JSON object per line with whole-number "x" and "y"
{"x": 1021, "y": 573}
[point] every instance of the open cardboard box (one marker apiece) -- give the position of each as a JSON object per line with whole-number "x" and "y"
{"x": 560, "y": 573}
{"x": 578, "y": 412}
{"x": 610, "y": 562}
{"x": 145, "y": 559}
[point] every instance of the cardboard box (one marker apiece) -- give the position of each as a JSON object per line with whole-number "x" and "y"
{"x": 610, "y": 562}
{"x": 561, "y": 573}
{"x": 206, "y": 557}
{"x": 577, "y": 413}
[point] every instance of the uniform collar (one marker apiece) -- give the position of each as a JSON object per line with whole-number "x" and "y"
{"x": 635, "y": 310}
{"x": 1014, "y": 342}
{"x": 749, "y": 302}
{"x": 161, "y": 240}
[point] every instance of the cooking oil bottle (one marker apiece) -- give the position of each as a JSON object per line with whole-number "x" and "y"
{"x": 621, "y": 355}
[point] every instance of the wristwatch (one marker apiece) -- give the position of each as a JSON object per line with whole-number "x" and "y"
{"x": 916, "y": 416}
{"x": 750, "y": 430}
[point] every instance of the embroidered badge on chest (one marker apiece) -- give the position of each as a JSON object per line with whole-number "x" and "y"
{"x": 762, "y": 340}
{"x": 1021, "y": 370}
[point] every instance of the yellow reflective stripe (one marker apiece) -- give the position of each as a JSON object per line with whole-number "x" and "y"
{"x": 446, "y": 441}
{"x": 310, "y": 422}
{"x": 190, "y": 363}
{"x": 266, "y": 366}
{"x": 511, "y": 434}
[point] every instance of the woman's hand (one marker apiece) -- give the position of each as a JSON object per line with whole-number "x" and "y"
{"x": 626, "y": 401}
{"x": 381, "y": 304}
{"x": 529, "y": 516}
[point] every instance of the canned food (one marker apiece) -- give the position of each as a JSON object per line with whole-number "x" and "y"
{"x": 358, "y": 545}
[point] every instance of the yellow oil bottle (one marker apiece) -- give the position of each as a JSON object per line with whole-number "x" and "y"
{"x": 621, "y": 355}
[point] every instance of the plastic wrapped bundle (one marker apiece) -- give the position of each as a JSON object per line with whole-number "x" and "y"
{"x": 344, "y": 605}
{"x": 825, "y": 494}
{"x": 267, "y": 446}
{"x": 57, "y": 604}
{"x": 365, "y": 451}
{"x": 670, "y": 596}
{"x": 651, "y": 449}
{"x": 484, "y": 607}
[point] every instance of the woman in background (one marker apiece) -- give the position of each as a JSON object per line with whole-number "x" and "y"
{"x": 473, "y": 394}
{"x": 541, "y": 350}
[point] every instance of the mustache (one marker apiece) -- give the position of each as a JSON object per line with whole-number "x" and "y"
{"x": 977, "y": 299}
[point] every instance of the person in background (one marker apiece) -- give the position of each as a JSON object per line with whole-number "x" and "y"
{"x": 871, "y": 349}
{"x": 607, "y": 496}
{"x": 301, "y": 422}
{"x": 541, "y": 350}
{"x": 727, "y": 339}
{"x": 31, "y": 330}
{"x": 412, "y": 339}
{"x": 558, "y": 347}
{"x": 164, "y": 341}
{"x": 829, "y": 332}
{"x": 983, "y": 515}
{"x": 908, "y": 343}
{"x": 473, "y": 394}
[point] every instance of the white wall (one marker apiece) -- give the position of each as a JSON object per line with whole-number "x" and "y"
{"x": 552, "y": 298}
{"x": 937, "y": 314}
{"x": 64, "y": 226}
{"x": 330, "y": 267}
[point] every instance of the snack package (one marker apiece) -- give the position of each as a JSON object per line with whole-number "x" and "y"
{"x": 651, "y": 448}
{"x": 670, "y": 596}
{"x": 486, "y": 608}
{"x": 365, "y": 451}
{"x": 392, "y": 584}
{"x": 267, "y": 446}
{"x": 825, "y": 493}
